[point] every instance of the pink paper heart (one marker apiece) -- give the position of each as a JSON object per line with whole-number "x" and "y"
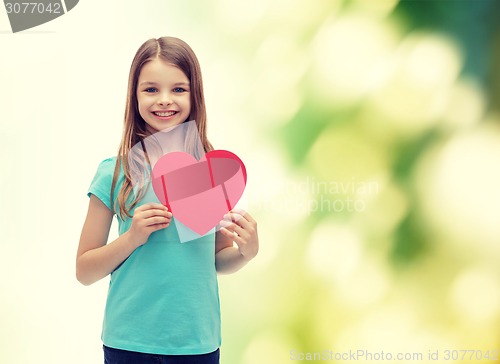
{"x": 199, "y": 193}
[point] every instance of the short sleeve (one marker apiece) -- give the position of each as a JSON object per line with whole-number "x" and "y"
{"x": 101, "y": 184}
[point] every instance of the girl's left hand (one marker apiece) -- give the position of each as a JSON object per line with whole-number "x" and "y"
{"x": 242, "y": 229}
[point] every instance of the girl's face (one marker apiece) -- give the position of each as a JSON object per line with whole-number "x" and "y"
{"x": 163, "y": 95}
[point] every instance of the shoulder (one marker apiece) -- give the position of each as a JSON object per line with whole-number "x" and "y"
{"x": 107, "y": 167}
{"x": 105, "y": 171}
{"x": 108, "y": 163}
{"x": 102, "y": 181}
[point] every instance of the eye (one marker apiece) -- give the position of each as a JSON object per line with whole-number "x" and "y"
{"x": 151, "y": 89}
{"x": 179, "y": 89}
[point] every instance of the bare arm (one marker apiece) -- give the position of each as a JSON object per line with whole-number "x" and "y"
{"x": 230, "y": 258}
{"x": 95, "y": 259}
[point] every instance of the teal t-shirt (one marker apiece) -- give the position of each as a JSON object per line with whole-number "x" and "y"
{"x": 163, "y": 299}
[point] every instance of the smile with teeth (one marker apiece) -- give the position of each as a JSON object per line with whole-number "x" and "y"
{"x": 165, "y": 114}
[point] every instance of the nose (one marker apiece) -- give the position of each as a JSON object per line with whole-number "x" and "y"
{"x": 164, "y": 99}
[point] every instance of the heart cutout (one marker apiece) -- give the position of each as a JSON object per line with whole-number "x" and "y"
{"x": 199, "y": 193}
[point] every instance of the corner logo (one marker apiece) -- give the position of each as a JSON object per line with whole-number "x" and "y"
{"x": 25, "y": 15}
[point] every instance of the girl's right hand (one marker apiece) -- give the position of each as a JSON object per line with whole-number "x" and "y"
{"x": 147, "y": 219}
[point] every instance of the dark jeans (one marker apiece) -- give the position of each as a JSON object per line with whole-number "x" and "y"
{"x": 117, "y": 356}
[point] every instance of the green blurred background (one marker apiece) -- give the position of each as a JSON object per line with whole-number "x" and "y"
{"x": 371, "y": 134}
{"x": 378, "y": 179}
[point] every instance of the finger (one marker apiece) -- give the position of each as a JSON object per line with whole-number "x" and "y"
{"x": 152, "y": 205}
{"x": 155, "y": 212}
{"x": 232, "y": 216}
{"x": 237, "y": 218}
{"x": 234, "y": 237}
{"x": 232, "y": 227}
{"x": 245, "y": 214}
{"x": 228, "y": 232}
{"x": 158, "y": 206}
{"x": 159, "y": 226}
{"x": 156, "y": 220}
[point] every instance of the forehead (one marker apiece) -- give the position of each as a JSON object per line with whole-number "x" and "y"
{"x": 160, "y": 71}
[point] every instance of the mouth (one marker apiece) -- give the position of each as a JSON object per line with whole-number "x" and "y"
{"x": 165, "y": 114}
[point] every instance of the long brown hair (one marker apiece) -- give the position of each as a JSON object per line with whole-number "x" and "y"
{"x": 180, "y": 54}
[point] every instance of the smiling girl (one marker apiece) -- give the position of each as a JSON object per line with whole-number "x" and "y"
{"x": 163, "y": 302}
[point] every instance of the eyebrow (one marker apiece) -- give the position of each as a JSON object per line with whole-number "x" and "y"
{"x": 145, "y": 83}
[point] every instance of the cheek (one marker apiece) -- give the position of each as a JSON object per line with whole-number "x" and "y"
{"x": 187, "y": 105}
{"x": 142, "y": 108}
{"x": 141, "y": 104}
